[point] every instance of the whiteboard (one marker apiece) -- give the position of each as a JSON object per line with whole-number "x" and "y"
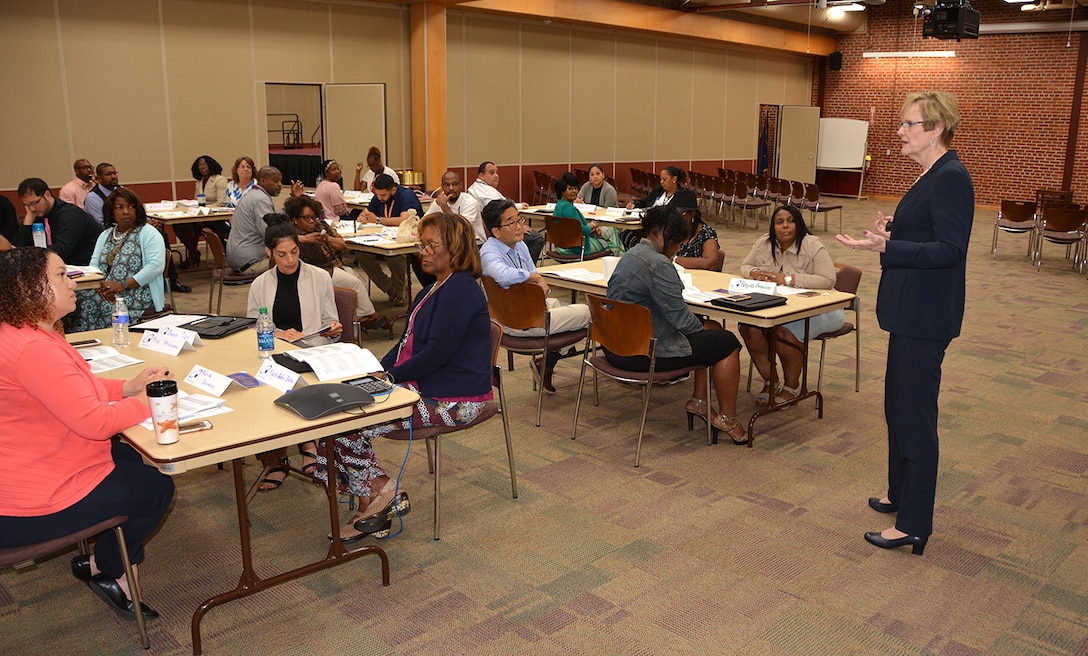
{"x": 842, "y": 143}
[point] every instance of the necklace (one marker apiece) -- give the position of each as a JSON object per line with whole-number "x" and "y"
{"x": 117, "y": 236}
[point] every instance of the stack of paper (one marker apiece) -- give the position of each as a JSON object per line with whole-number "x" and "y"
{"x": 337, "y": 361}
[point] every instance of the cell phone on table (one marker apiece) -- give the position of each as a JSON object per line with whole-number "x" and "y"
{"x": 86, "y": 342}
{"x": 371, "y": 385}
{"x": 194, "y": 426}
{"x": 738, "y": 297}
{"x": 808, "y": 294}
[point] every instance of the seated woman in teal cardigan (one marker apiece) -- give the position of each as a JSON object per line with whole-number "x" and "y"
{"x": 596, "y": 238}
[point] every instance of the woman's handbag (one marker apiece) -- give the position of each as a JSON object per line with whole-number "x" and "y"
{"x": 409, "y": 228}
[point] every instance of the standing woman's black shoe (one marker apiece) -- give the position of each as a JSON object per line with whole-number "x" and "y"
{"x": 881, "y": 507}
{"x": 918, "y": 544}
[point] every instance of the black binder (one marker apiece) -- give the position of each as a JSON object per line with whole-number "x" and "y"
{"x": 749, "y": 302}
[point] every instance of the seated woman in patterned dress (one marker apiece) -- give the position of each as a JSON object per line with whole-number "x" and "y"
{"x": 444, "y": 355}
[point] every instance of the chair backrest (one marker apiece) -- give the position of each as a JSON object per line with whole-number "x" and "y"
{"x": 797, "y": 192}
{"x": 624, "y": 329}
{"x": 564, "y": 232}
{"x": 1063, "y": 218}
{"x": 848, "y": 278}
{"x": 1017, "y": 211}
{"x": 215, "y": 245}
{"x": 812, "y": 194}
{"x": 1063, "y": 196}
{"x": 346, "y": 303}
{"x": 740, "y": 190}
{"x": 582, "y": 175}
{"x": 519, "y": 307}
{"x": 721, "y": 260}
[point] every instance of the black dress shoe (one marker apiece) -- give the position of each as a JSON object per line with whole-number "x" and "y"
{"x": 918, "y": 544}
{"x": 110, "y": 592}
{"x": 179, "y": 288}
{"x": 881, "y": 507}
{"x": 81, "y": 568}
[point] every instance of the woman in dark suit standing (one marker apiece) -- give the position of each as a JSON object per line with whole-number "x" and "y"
{"x": 920, "y": 301}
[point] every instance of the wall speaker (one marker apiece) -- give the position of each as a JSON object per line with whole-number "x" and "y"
{"x": 835, "y": 61}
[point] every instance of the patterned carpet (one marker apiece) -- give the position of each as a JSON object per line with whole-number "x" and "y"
{"x": 701, "y": 550}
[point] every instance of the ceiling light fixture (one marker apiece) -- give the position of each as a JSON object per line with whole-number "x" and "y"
{"x": 909, "y": 54}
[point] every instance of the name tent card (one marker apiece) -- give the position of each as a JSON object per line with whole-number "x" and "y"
{"x": 614, "y": 211}
{"x": 745, "y": 286}
{"x": 208, "y": 380}
{"x": 168, "y": 344}
{"x": 191, "y": 337}
{"x": 277, "y": 376}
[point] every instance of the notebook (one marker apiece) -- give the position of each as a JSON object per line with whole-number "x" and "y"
{"x": 315, "y": 401}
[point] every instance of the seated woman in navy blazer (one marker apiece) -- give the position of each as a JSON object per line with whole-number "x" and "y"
{"x": 444, "y": 355}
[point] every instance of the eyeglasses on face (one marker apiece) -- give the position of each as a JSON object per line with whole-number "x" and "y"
{"x": 909, "y": 124}
{"x": 430, "y": 247}
{"x": 520, "y": 221}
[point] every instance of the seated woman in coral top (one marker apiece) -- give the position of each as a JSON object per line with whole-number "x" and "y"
{"x": 61, "y": 471}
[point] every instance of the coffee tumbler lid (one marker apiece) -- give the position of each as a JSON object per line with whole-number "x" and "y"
{"x": 161, "y": 388}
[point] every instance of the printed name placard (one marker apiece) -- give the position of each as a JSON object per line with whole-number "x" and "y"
{"x": 745, "y": 286}
{"x": 168, "y": 344}
{"x": 191, "y": 337}
{"x": 614, "y": 211}
{"x": 277, "y": 376}
{"x": 208, "y": 380}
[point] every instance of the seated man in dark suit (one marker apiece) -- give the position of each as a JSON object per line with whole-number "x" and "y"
{"x": 70, "y": 232}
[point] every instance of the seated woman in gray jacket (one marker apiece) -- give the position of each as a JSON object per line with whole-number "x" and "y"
{"x": 300, "y": 301}
{"x": 597, "y": 191}
{"x": 645, "y": 275}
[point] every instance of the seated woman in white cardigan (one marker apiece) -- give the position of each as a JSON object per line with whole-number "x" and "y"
{"x": 300, "y": 301}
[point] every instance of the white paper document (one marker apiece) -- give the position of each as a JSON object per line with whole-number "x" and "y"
{"x": 105, "y": 358}
{"x": 171, "y": 321}
{"x": 194, "y": 406}
{"x": 580, "y": 274}
{"x": 337, "y": 361}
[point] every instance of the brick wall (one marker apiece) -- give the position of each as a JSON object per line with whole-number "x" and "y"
{"x": 1015, "y": 93}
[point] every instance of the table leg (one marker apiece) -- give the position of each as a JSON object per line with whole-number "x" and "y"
{"x": 773, "y": 403}
{"x": 250, "y": 583}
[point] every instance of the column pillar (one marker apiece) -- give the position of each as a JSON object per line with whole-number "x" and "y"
{"x": 428, "y": 40}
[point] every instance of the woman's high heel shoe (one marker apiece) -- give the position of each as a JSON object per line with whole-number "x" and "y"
{"x": 881, "y": 507}
{"x": 728, "y": 425}
{"x": 918, "y": 543}
{"x": 699, "y": 411}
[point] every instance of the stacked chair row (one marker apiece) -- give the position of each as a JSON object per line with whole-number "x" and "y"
{"x": 1054, "y": 221}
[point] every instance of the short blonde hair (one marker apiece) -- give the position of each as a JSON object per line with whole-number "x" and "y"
{"x": 938, "y": 108}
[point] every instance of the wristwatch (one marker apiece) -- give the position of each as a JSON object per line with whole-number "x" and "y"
{"x": 789, "y": 279}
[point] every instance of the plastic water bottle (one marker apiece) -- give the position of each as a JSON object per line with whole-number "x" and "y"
{"x": 38, "y": 231}
{"x": 120, "y": 322}
{"x": 266, "y": 335}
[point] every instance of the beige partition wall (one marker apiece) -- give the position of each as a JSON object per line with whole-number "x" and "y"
{"x": 525, "y": 91}
{"x": 149, "y": 85}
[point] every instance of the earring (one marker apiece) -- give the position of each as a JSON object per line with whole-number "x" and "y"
{"x": 932, "y": 143}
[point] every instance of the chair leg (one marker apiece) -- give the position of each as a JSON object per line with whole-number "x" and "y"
{"x": 437, "y": 486}
{"x": 219, "y": 302}
{"x": 211, "y": 295}
{"x": 578, "y": 396}
{"x": 645, "y": 408}
{"x": 820, "y": 373}
{"x": 509, "y": 442}
{"x": 134, "y": 590}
